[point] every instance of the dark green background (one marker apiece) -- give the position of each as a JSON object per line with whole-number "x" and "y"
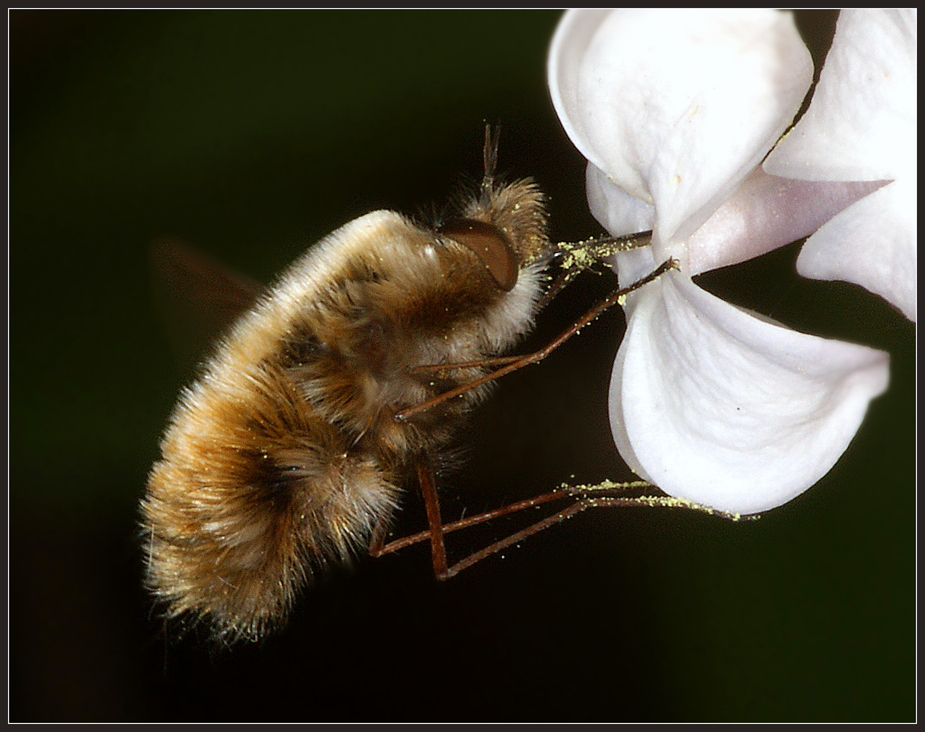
{"x": 251, "y": 134}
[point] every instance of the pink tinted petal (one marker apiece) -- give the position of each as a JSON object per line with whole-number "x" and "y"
{"x": 861, "y": 124}
{"x": 716, "y": 406}
{"x": 767, "y": 212}
{"x": 677, "y": 106}
{"x": 872, "y": 244}
{"x": 764, "y": 213}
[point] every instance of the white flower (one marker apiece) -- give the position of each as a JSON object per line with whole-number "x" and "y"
{"x": 861, "y": 125}
{"x": 675, "y": 110}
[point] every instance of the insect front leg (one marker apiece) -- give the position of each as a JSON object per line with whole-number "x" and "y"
{"x": 509, "y": 364}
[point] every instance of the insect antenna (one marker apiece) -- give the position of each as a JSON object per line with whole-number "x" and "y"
{"x": 489, "y": 160}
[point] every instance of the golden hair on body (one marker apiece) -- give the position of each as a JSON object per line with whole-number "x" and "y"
{"x": 286, "y": 454}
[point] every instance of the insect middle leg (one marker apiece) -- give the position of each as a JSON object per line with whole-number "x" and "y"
{"x": 508, "y": 364}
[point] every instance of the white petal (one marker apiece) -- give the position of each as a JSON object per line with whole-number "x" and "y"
{"x": 716, "y": 406}
{"x": 861, "y": 124}
{"x": 677, "y": 106}
{"x": 617, "y": 211}
{"x": 872, "y": 244}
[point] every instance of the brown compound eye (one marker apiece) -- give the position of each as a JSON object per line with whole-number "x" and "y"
{"x": 490, "y": 244}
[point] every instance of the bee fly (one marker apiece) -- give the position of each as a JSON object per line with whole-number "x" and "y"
{"x": 337, "y": 387}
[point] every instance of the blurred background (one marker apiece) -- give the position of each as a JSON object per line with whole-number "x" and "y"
{"x": 252, "y": 134}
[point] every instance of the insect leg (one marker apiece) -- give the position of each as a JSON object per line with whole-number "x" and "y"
{"x": 428, "y": 484}
{"x": 519, "y": 362}
{"x": 378, "y": 547}
{"x": 435, "y": 531}
{"x": 603, "y": 495}
{"x": 587, "y": 496}
{"x": 608, "y": 493}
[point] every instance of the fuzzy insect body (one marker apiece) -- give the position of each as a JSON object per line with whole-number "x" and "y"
{"x": 286, "y": 454}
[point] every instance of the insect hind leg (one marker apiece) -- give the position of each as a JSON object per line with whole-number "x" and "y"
{"x": 607, "y": 494}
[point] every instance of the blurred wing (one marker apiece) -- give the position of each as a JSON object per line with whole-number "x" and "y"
{"x": 198, "y": 297}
